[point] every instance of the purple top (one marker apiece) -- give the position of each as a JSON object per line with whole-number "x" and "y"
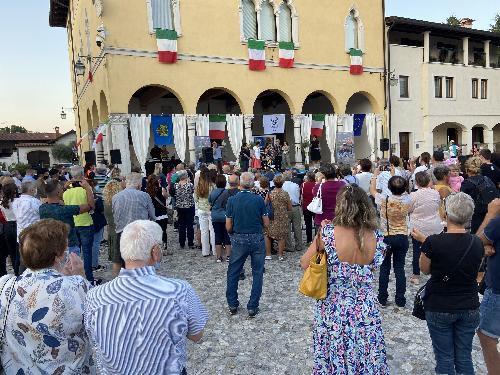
{"x": 329, "y": 191}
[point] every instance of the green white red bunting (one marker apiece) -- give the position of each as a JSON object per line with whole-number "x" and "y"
{"x": 217, "y": 126}
{"x": 256, "y": 54}
{"x": 318, "y": 123}
{"x": 287, "y": 54}
{"x": 356, "y": 61}
{"x": 167, "y": 45}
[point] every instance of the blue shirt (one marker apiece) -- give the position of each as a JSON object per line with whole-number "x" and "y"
{"x": 218, "y": 152}
{"x": 62, "y": 213}
{"x": 492, "y": 233}
{"x": 139, "y": 321}
{"x": 246, "y": 210}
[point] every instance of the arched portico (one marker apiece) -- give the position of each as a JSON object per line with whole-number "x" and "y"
{"x": 444, "y": 133}
{"x": 360, "y": 103}
{"x": 496, "y": 138}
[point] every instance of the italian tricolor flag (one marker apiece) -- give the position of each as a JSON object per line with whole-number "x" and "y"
{"x": 167, "y": 45}
{"x": 318, "y": 122}
{"x": 217, "y": 128}
{"x": 356, "y": 61}
{"x": 256, "y": 54}
{"x": 287, "y": 54}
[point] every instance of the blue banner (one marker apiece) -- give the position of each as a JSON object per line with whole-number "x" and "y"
{"x": 162, "y": 127}
{"x": 358, "y": 124}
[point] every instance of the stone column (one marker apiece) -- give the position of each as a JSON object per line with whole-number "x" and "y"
{"x": 191, "y": 129}
{"x": 247, "y": 120}
{"x": 466, "y": 50}
{"x": 297, "y": 138}
{"x": 118, "y": 122}
{"x": 487, "y": 53}
{"x": 427, "y": 46}
{"x": 488, "y": 138}
{"x": 379, "y": 124}
{"x": 466, "y": 142}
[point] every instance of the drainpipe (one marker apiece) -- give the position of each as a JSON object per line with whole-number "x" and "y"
{"x": 387, "y": 67}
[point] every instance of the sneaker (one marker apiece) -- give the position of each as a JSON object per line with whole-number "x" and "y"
{"x": 233, "y": 310}
{"x": 281, "y": 258}
{"x": 253, "y": 313}
{"x": 219, "y": 260}
{"x": 269, "y": 257}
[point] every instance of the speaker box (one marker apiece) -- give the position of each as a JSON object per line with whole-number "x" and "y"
{"x": 385, "y": 144}
{"x": 90, "y": 157}
{"x": 116, "y": 156}
{"x": 208, "y": 154}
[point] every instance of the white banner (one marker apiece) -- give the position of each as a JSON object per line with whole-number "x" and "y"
{"x": 274, "y": 124}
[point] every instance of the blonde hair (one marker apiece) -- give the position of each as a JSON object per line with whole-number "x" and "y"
{"x": 473, "y": 165}
{"x": 158, "y": 169}
{"x": 355, "y": 210}
{"x": 112, "y": 187}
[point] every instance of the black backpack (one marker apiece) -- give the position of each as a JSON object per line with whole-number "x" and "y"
{"x": 487, "y": 191}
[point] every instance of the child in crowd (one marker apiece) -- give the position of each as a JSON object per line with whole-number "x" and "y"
{"x": 455, "y": 178}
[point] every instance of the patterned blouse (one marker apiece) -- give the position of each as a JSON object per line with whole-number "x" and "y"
{"x": 184, "y": 195}
{"x": 44, "y": 328}
{"x": 424, "y": 211}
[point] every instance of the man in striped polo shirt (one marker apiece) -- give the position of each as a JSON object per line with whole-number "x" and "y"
{"x": 138, "y": 322}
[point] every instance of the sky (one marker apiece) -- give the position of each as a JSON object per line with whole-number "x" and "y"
{"x": 34, "y": 67}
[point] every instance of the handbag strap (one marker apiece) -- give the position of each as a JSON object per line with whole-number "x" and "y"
{"x": 447, "y": 278}
{"x": 160, "y": 202}
{"x": 318, "y": 194}
{"x": 9, "y": 300}
{"x": 215, "y": 200}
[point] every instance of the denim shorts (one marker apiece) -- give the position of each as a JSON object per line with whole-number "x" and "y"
{"x": 489, "y": 324}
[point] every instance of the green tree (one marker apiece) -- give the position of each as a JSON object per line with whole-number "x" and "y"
{"x": 495, "y": 27}
{"x": 63, "y": 153}
{"x": 13, "y": 129}
{"x": 453, "y": 21}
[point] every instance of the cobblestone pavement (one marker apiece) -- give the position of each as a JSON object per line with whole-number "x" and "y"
{"x": 279, "y": 340}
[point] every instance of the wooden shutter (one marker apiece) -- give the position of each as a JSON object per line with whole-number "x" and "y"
{"x": 285, "y": 32}
{"x": 162, "y": 14}
{"x": 249, "y": 20}
{"x": 268, "y": 22}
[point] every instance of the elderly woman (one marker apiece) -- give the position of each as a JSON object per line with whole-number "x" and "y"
{"x": 472, "y": 186}
{"x": 424, "y": 216}
{"x": 451, "y": 295}
{"x": 44, "y": 332}
{"x": 348, "y": 336}
{"x": 263, "y": 188}
{"x": 114, "y": 186}
{"x": 184, "y": 203}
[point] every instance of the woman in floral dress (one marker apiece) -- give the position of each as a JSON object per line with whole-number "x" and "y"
{"x": 348, "y": 337}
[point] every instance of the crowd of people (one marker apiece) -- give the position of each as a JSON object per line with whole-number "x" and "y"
{"x": 56, "y": 314}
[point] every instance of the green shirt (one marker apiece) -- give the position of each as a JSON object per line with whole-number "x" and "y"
{"x": 75, "y": 197}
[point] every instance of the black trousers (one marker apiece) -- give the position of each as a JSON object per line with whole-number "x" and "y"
{"x": 277, "y": 162}
{"x": 11, "y": 248}
{"x": 185, "y": 220}
{"x": 309, "y": 220}
{"x": 163, "y": 224}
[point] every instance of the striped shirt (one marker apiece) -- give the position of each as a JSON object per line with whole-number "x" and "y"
{"x": 130, "y": 205}
{"x": 139, "y": 321}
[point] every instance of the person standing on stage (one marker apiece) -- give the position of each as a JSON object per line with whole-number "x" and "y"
{"x": 315, "y": 151}
{"x": 278, "y": 155}
{"x": 217, "y": 155}
{"x": 256, "y": 162}
{"x": 244, "y": 157}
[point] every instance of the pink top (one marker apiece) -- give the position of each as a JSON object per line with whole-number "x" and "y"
{"x": 456, "y": 183}
{"x": 424, "y": 211}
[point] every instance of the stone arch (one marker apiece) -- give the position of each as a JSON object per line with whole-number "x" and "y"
{"x": 103, "y": 106}
{"x": 360, "y": 103}
{"x": 375, "y": 107}
{"x": 444, "y": 132}
{"x": 353, "y": 10}
{"x": 496, "y": 138}
{"x": 478, "y": 134}
{"x": 224, "y": 94}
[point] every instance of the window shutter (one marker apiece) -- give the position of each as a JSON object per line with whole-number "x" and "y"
{"x": 351, "y": 32}
{"x": 249, "y": 20}
{"x": 285, "y": 31}
{"x": 162, "y": 14}
{"x": 268, "y": 22}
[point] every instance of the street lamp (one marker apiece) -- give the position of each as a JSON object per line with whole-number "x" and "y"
{"x": 393, "y": 80}
{"x": 79, "y": 67}
{"x": 63, "y": 114}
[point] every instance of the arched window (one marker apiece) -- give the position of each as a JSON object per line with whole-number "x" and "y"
{"x": 249, "y": 19}
{"x": 351, "y": 30}
{"x": 267, "y": 22}
{"x": 162, "y": 14}
{"x": 285, "y": 23}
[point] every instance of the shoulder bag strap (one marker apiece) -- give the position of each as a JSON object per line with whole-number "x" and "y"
{"x": 218, "y": 196}
{"x": 447, "y": 277}
{"x": 318, "y": 194}
{"x": 160, "y": 202}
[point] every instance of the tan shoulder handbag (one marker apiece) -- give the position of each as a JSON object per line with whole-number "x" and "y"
{"x": 314, "y": 283}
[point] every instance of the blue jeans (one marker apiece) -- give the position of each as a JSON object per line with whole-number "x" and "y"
{"x": 86, "y": 238}
{"x": 399, "y": 247}
{"x": 451, "y": 334}
{"x": 95, "y": 247}
{"x": 244, "y": 245}
{"x": 416, "y": 256}
{"x": 490, "y": 313}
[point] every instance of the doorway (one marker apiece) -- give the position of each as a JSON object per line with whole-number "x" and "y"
{"x": 451, "y": 135}
{"x": 404, "y": 146}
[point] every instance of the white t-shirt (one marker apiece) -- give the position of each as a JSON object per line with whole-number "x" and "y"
{"x": 383, "y": 182}
{"x": 421, "y": 168}
{"x": 256, "y": 152}
{"x": 364, "y": 181}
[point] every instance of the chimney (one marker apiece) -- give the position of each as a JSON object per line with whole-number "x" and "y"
{"x": 57, "y": 132}
{"x": 467, "y": 23}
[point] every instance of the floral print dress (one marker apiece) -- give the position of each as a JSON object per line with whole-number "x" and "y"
{"x": 348, "y": 337}
{"x": 44, "y": 331}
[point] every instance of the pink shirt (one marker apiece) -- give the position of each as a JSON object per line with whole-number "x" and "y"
{"x": 456, "y": 183}
{"x": 424, "y": 211}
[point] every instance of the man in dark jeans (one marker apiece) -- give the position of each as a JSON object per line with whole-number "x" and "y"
{"x": 245, "y": 217}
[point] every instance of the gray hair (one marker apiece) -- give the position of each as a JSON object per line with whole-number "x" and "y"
{"x": 459, "y": 208}
{"x": 138, "y": 239}
{"x": 27, "y": 187}
{"x": 76, "y": 171}
{"x": 287, "y": 175}
{"x": 247, "y": 180}
{"x": 182, "y": 175}
{"x": 134, "y": 180}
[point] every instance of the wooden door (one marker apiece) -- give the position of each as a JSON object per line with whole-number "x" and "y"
{"x": 404, "y": 145}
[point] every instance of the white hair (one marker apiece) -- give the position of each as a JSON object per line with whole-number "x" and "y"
{"x": 247, "y": 180}
{"x": 138, "y": 238}
{"x": 76, "y": 171}
{"x": 134, "y": 180}
{"x": 459, "y": 208}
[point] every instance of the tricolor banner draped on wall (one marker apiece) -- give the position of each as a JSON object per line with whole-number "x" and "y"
{"x": 256, "y": 54}
{"x": 162, "y": 127}
{"x": 166, "y": 41}
{"x": 287, "y": 54}
{"x": 356, "y": 61}
{"x": 318, "y": 122}
{"x": 217, "y": 126}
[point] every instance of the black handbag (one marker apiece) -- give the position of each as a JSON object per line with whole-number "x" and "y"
{"x": 418, "y": 303}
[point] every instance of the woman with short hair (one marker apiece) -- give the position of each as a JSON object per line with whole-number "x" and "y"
{"x": 451, "y": 299}
{"x": 329, "y": 189}
{"x": 44, "y": 332}
{"x": 218, "y": 200}
{"x": 159, "y": 196}
{"x": 348, "y": 336}
{"x": 263, "y": 188}
{"x": 184, "y": 202}
{"x": 307, "y": 196}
